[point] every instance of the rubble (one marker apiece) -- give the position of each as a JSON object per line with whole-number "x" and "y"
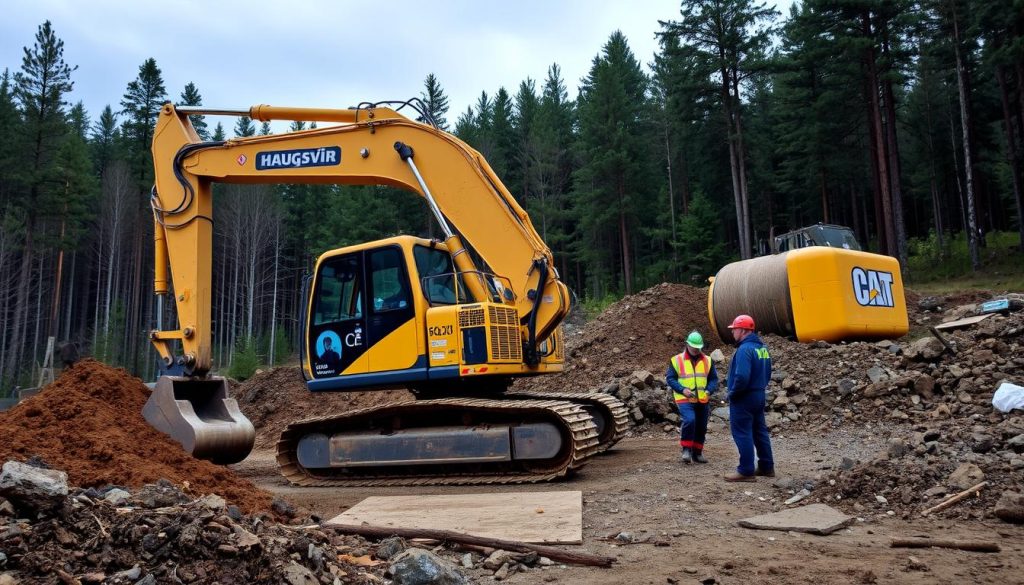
{"x": 33, "y": 488}
{"x": 89, "y": 424}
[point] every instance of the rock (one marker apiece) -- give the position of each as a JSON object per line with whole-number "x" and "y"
{"x": 929, "y": 303}
{"x": 623, "y": 393}
{"x": 644, "y": 376}
{"x": 674, "y": 418}
{"x": 925, "y": 349}
{"x": 626, "y": 537}
{"x": 496, "y": 559}
{"x": 502, "y": 573}
{"x": 965, "y": 476}
{"x": 234, "y": 513}
{"x": 780, "y": 401}
{"x": 878, "y": 389}
{"x": 924, "y": 386}
{"x": 1016, "y": 443}
{"x": 814, "y": 519}
{"x": 717, "y": 356}
{"x": 117, "y": 497}
{"x": 637, "y": 383}
{"x": 881, "y": 500}
{"x": 721, "y": 412}
{"x": 3, "y": 559}
{"x": 420, "y": 567}
{"x": 773, "y": 419}
{"x": 846, "y": 386}
{"x": 956, "y": 371}
{"x": 785, "y": 483}
{"x": 981, "y": 443}
{"x": 790, "y": 384}
{"x": 390, "y": 547}
{"x": 296, "y": 574}
{"x": 283, "y": 507}
{"x": 31, "y": 487}
{"x": 936, "y": 491}
{"x": 467, "y": 561}
{"x": 847, "y": 464}
{"x": 6, "y": 509}
{"x": 610, "y": 388}
{"x": 131, "y": 574}
{"x": 800, "y": 495}
{"x": 212, "y": 502}
{"x": 637, "y": 415}
{"x": 897, "y": 448}
{"x": 147, "y": 580}
{"x": 820, "y": 344}
{"x": 941, "y": 411}
{"x": 1010, "y": 508}
{"x": 160, "y": 495}
{"x": 8, "y": 579}
{"x": 876, "y": 374}
{"x": 964, "y": 398}
{"x": 545, "y": 562}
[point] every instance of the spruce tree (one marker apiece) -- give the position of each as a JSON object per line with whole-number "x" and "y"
{"x": 140, "y": 106}
{"x": 190, "y": 96}
{"x": 436, "y": 101}
{"x": 103, "y": 140}
{"x": 245, "y": 127}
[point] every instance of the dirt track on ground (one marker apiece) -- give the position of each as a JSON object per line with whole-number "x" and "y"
{"x": 688, "y": 517}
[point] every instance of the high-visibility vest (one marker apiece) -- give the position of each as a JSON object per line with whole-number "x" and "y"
{"x": 691, "y": 377}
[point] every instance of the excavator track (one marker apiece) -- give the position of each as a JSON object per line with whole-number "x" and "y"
{"x": 613, "y": 414}
{"x": 576, "y": 427}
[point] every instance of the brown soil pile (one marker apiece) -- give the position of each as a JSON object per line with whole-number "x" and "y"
{"x": 275, "y": 398}
{"x": 89, "y": 423}
{"x": 641, "y": 331}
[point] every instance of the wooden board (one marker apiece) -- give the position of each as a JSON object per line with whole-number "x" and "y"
{"x": 537, "y": 517}
{"x": 963, "y": 322}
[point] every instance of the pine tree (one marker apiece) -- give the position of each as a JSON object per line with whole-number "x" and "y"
{"x": 614, "y": 177}
{"x": 218, "y": 133}
{"x": 190, "y": 96}
{"x": 104, "y": 140}
{"x": 436, "y": 101}
{"x": 140, "y": 105}
{"x": 502, "y": 134}
{"x": 265, "y": 129}
{"x": 245, "y": 127}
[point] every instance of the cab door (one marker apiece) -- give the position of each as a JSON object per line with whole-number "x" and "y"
{"x": 338, "y": 321}
{"x": 391, "y": 320}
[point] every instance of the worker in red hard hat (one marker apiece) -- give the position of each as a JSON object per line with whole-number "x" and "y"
{"x": 749, "y": 374}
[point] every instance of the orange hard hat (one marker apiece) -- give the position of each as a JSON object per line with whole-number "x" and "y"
{"x": 742, "y": 322}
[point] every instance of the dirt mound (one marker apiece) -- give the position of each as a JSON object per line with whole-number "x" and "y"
{"x": 273, "y": 399}
{"x": 641, "y": 331}
{"x": 89, "y": 423}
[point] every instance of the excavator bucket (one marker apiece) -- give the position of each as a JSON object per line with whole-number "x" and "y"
{"x": 199, "y": 415}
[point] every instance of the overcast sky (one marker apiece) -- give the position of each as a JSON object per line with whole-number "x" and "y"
{"x": 328, "y": 54}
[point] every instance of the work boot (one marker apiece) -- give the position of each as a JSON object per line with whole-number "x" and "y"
{"x": 765, "y": 472}
{"x": 739, "y": 477}
{"x": 698, "y": 456}
{"x": 687, "y": 457}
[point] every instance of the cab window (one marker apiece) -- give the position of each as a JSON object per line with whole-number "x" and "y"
{"x": 389, "y": 284}
{"x": 437, "y": 275}
{"x": 338, "y": 295}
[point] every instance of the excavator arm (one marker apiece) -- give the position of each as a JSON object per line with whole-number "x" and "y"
{"x": 366, "y": 146}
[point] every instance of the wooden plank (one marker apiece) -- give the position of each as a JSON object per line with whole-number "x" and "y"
{"x": 537, "y": 517}
{"x": 963, "y": 322}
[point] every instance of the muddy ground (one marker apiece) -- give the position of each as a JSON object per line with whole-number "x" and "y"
{"x": 685, "y": 518}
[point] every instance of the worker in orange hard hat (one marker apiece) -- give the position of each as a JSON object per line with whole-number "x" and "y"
{"x": 749, "y": 374}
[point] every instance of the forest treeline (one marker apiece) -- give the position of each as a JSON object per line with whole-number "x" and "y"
{"x": 901, "y": 119}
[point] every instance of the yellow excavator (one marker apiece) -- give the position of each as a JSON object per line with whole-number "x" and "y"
{"x": 455, "y": 320}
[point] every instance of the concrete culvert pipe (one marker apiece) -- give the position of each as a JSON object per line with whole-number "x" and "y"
{"x": 758, "y": 287}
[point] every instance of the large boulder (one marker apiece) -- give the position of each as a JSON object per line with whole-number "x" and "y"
{"x": 965, "y": 476}
{"x": 33, "y": 488}
{"x": 421, "y": 567}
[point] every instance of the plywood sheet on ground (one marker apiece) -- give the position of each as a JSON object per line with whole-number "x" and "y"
{"x": 538, "y": 517}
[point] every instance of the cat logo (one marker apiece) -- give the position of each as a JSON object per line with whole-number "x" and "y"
{"x": 873, "y": 288}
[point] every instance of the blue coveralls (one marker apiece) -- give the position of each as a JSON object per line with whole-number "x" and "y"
{"x": 749, "y": 374}
{"x": 694, "y": 416}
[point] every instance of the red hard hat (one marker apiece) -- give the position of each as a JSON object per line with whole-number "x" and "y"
{"x": 742, "y": 322}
